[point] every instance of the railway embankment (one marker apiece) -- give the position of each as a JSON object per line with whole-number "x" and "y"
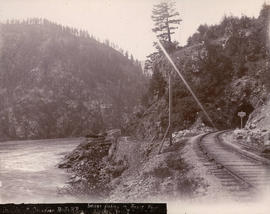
{"x": 239, "y": 140}
{"x": 211, "y": 187}
{"x": 242, "y": 174}
{"x": 115, "y": 168}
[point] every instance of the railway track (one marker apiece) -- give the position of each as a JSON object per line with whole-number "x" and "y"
{"x": 241, "y": 174}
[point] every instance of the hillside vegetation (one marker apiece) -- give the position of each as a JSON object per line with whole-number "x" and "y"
{"x": 227, "y": 67}
{"x": 57, "y": 81}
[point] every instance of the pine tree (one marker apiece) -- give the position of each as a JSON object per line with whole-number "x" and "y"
{"x": 126, "y": 54}
{"x": 131, "y": 58}
{"x": 166, "y": 20}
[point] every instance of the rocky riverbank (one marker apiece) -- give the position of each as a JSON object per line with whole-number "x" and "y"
{"x": 91, "y": 165}
{"x": 114, "y": 168}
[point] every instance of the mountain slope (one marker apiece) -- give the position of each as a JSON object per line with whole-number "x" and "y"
{"x": 227, "y": 67}
{"x": 57, "y": 81}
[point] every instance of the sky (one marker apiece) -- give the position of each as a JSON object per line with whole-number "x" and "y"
{"x": 127, "y": 23}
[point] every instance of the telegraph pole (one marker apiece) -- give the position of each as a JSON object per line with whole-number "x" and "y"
{"x": 168, "y": 131}
{"x": 170, "y": 108}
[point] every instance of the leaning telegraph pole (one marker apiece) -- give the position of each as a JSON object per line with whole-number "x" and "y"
{"x": 188, "y": 87}
{"x": 185, "y": 82}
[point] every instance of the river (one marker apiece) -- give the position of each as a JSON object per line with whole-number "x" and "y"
{"x": 29, "y": 173}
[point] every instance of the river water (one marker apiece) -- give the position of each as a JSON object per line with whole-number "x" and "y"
{"x": 28, "y": 171}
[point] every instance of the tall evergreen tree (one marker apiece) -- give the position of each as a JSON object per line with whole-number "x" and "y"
{"x": 166, "y": 20}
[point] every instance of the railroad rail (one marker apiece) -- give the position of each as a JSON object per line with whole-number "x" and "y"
{"x": 242, "y": 174}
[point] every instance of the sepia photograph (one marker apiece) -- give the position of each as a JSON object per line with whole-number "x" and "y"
{"x": 135, "y": 106}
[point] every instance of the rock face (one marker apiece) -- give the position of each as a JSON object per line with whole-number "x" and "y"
{"x": 246, "y": 88}
{"x": 256, "y": 133}
{"x": 241, "y": 94}
{"x": 260, "y": 118}
{"x": 226, "y": 65}
{"x": 258, "y": 125}
{"x": 244, "y": 94}
{"x": 149, "y": 123}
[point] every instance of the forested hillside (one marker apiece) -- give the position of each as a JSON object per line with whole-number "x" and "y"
{"x": 57, "y": 81}
{"x": 227, "y": 65}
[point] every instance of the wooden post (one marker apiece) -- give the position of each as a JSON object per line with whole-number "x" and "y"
{"x": 241, "y": 122}
{"x": 170, "y": 108}
{"x": 241, "y": 114}
{"x": 168, "y": 131}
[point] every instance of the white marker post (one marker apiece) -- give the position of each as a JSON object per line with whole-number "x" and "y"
{"x": 241, "y": 114}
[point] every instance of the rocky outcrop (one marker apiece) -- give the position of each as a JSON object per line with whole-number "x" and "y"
{"x": 260, "y": 117}
{"x": 226, "y": 65}
{"x": 91, "y": 164}
{"x": 246, "y": 88}
{"x": 151, "y": 122}
{"x": 257, "y": 129}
